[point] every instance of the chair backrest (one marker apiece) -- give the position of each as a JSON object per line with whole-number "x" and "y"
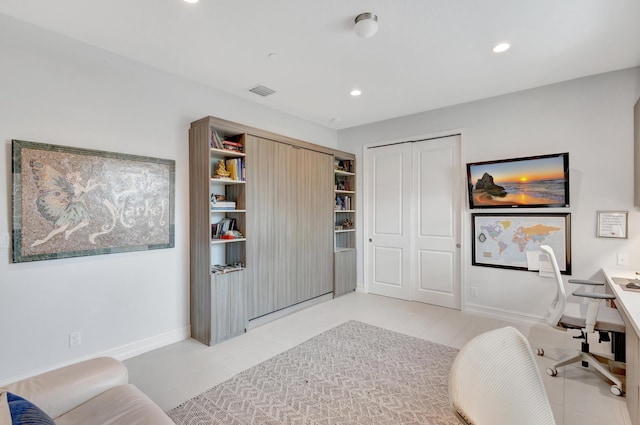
{"x": 559, "y": 302}
{"x": 495, "y": 380}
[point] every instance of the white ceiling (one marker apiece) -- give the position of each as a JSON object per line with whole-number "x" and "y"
{"x": 427, "y": 54}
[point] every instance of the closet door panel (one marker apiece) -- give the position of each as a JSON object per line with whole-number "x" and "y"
{"x": 283, "y": 227}
{"x": 314, "y": 224}
{"x": 261, "y": 180}
{"x": 290, "y": 223}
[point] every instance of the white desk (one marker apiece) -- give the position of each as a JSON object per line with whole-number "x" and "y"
{"x": 628, "y": 303}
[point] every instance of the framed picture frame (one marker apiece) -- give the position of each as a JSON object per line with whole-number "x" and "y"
{"x": 612, "y": 224}
{"x": 502, "y": 240}
{"x": 71, "y": 202}
{"x": 529, "y": 182}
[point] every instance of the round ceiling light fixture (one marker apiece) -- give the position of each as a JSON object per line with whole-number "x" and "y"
{"x": 191, "y": 1}
{"x": 501, "y": 47}
{"x": 355, "y": 92}
{"x": 366, "y": 24}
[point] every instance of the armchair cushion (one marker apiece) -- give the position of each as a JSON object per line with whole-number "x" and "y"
{"x": 61, "y": 390}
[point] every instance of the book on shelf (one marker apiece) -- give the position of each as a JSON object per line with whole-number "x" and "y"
{"x": 215, "y": 141}
{"x": 343, "y": 203}
{"x": 223, "y": 205}
{"x": 346, "y": 165}
{"x": 232, "y": 167}
{"x": 232, "y": 146}
{"x": 219, "y": 229}
{"x": 236, "y": 167}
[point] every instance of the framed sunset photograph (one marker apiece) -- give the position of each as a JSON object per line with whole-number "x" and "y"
{"x": 534, "y": 181}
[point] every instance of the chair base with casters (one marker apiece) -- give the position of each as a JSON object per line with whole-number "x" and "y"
{"x": 587, "y": 359}
{"x": 589, "y": 317}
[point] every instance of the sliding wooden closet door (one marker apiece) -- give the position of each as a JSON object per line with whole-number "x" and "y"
{"x": 313, "y": 225}
{"x": 268, "y": 205}
{"x": 289, "y": 225}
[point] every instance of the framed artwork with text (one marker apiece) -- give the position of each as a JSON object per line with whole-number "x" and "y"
{"x": 70, "y": 202}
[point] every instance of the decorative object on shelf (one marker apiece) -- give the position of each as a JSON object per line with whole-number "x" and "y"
{"x": 231, "y": 234}
{"x": 226, "y": 268}
{"x": 343, "y": 165}
{"x": 510, "y": 240}
{"x": 221, "y": 171}
{"x": 347, "y": 224}
{"x": 71, "y": 202}
{"x": 366, "y": 24}
{"x": 219, "y": 202}
{"x": 612, "y": 224}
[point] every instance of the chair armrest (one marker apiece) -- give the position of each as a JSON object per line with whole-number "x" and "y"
{"x": 586, "y": 282}
{"x": 594, "y": 295}
{"x": 61, "y": 390}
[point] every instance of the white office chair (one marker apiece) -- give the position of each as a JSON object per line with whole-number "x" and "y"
{"x": 494, "y": 379}
{"x": 588, "y": 317}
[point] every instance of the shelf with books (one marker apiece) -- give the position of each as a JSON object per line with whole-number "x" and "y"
{"x": 344, "y": 234}
{"x": 217, "y": 189}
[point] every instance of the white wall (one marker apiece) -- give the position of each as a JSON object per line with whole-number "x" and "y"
{"x": 59, "y": 91}
{"x": 591, "y": 118}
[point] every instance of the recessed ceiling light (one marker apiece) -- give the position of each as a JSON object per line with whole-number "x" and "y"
{"x": 502, "y": 47}
{"x": 191, "y": 1}
{"x": 356, "y": 92}
{"x": 273, "y": 56}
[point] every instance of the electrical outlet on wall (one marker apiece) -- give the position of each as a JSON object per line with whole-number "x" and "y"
{"x": 75, "y": 339}
{"x": 474, "y": 291}
{"x": 623, "y": 259}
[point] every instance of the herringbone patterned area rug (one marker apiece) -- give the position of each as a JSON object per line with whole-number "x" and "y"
{"x": 352, "y": 374}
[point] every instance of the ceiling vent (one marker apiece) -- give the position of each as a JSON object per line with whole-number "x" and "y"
{"x": 262, "y": 90}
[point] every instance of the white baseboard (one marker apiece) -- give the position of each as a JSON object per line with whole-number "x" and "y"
{"x": 148, "y": 344}
{"x": 121, "y": 353}
{"x": 504, "y": 314}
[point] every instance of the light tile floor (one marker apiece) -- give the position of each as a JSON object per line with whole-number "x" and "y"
{"x": 178, "y": 372}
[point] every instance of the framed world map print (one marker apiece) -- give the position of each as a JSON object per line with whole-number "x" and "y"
{"x": 503, "y": 240}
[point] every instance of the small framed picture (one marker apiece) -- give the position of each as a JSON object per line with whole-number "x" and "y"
{"x": 612, "y": 224}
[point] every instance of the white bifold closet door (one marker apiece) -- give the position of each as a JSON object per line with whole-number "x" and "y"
{"x": 413, "y": 220}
